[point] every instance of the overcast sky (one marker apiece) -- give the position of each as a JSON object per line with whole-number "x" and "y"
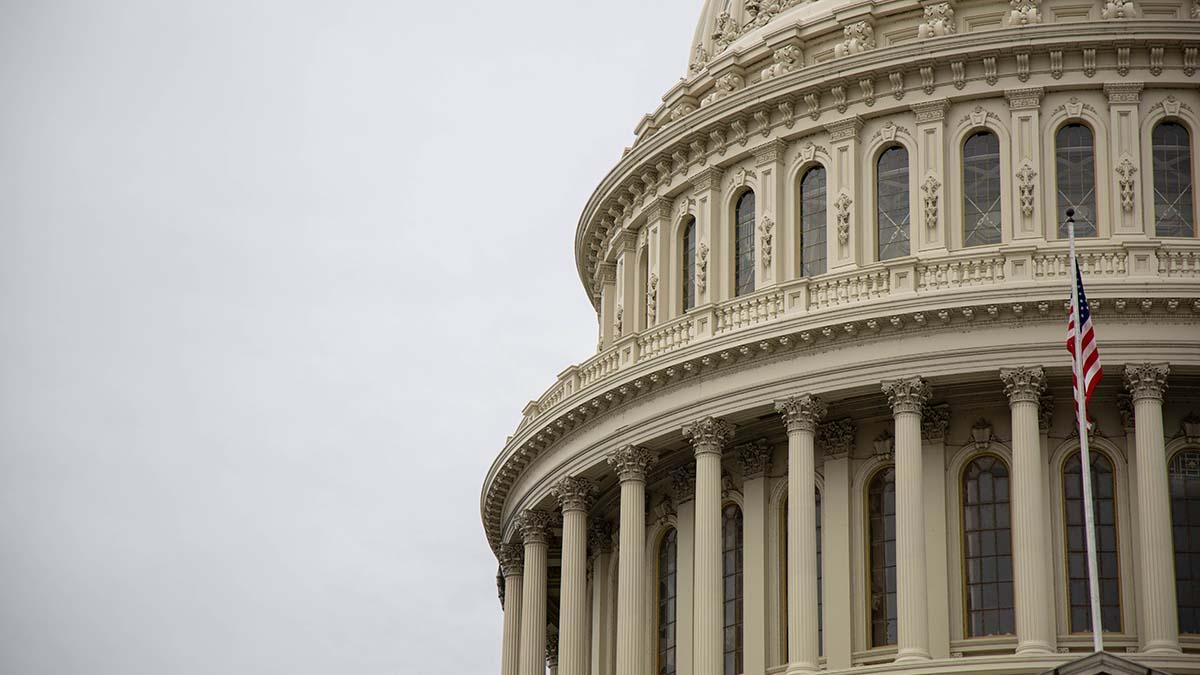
{"x": 276, "y": 279}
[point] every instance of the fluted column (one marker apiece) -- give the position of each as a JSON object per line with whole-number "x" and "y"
{"x": 683, "y": 489}
{"x": 708, "y": 437}
{"x": 1035, "y": 629}
{"x": 755, "y": 458}
{"x": 574, "y": 496}
{"x": 512, "y": 562}
{"x": 1160, "y": 632}
{"x": 800, "y": 415}
{"x": 631, "y": 463}
{"x": 907, "y": 397}
{"x": 535, "y": 530}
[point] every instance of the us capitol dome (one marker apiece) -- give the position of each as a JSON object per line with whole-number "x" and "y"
{"x": 829, "y": 425}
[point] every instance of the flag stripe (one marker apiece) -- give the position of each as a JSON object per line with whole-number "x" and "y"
{"x": 1092, "y": 372}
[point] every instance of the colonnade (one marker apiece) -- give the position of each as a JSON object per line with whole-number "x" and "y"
{"x": 700, "y": 607}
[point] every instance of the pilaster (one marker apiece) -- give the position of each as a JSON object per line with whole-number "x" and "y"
{"x": 755, "y": 460}
{"x": 843, "y": 236}
{"x": 1026, "y": 152}
{"x": 837, "y": 440}
{"x": 929, "y": 213}
{"x": 711, "y": 233}
{"x": 775, "y": 226}
{"x": 603, "y": 641}
{"x": 1125, "y": 153}
{"x": 606, "y": 284}
{"x": 683, "y": 491}
{"x": 935, "y": 419}
{"x": 658, "y": 243}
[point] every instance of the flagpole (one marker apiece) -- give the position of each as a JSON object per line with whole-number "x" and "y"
{"x": 1084, "y": 455}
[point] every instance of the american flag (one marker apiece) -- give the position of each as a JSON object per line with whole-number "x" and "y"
{"x": 1092, "y": 372}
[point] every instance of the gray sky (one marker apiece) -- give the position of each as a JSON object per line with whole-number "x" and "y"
{"x": 276, "y": 278}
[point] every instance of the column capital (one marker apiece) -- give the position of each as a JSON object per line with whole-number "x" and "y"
{"x": 600, "y": 536}
{"x": 534, "y": 525}
{"x": 683, "y": 483}
{"x": 836, "y": 438}
{"x": 709, "y": 434}
{"x": 907, "y": 395}
{"x": 1124, "y": 92}
{"x": 1045, "y": 412}
{"x": 631, "y": 462}
{"x": 755, "y": 458}
{"x": 512, "y": 559}
{"x": 1027, "y": 98}
{"x": 1146, "y": 380}
{"x": 1023, "y": 384}
{"x": 934, "y": 421}
{"x": 801, "y": 413}
{"x": 574, "y": 494}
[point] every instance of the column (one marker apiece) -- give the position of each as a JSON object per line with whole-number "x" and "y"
{"x": 662, "y": 273}
{"x": 842, "y": 234}
{"x": 605, "y": 284}
{"x": 836, "y": 440}
{"x": 1125, "y": 155}
{"x": 600, "y": 541}
{"x": 1027, "y": 198}
{"x": 712, "y": 270}
{"x": 535, "y": 530}
{"x": 774, "y": 231}
{"x": 907, "y": 397}
{"x": 683, "y": 489}
{"x": 1034, "y": 618}
{"x": 574, "y": 496}
{"x": 708, "y": 437}
{"x": 755, "y": 459}
{"x": 1160, "y": 633}
{"x": 934, "y": 421}
{"x": 512, "y": 562}
{"x": 631, "y": 462}
{"x": 627, "y": 319}
{"x": 800, "y": 415}
{"x": 930, "y": 225}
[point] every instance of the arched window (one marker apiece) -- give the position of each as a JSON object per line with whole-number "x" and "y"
{"x": 1105, "y": 505}
{"x": 881, "y": 556}
{"x": 667, "y": 556}
{"x": 1172, "y": 150}
{"x": 1184, "y": 475}
{"x": 987, "y": 548}
{"x": 783, "y": 582}
{"x": 731, "y": 537}
{"x": 892, "y": 214}
{"x": 689, "y": 264}
{"x": 1075, "y": 163}
{"x": 744, "y": 246}
{"x": 981, "y": 189}
{"x": 812, "y": 222}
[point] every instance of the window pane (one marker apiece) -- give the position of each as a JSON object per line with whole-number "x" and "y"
{"x": 881, "y": 509}
{"x": 744, "y": 243}
{"x": 1106, "y": 545}
{"x": 667, "y": 552}
{"x": 987, "y": 550}
{"x": 731, "y": 536}
{"x": 981, "y": 189}
{"x": 1184, "y": 475}
{"x": 689, "y": 264}
{"x": 1075, "y": 162}
{"x": 1172, "y": 152}
{"x": 812, "y": 222}
{"x": 892, "y": 214}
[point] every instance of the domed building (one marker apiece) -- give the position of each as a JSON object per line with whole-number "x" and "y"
{"x": 829, "y": 425}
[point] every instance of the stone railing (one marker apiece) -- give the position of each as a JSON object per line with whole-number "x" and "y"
{"x": 1028, "y": 265}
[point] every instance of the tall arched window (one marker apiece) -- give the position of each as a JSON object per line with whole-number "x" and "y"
{"x": 731, "y": 537}
{"x": 689, "y": 264}
{"x": 1075, "y": 163}
{"x": 881, "y": 556}
{"x": 1173, "y": 211}
{"x": 981, "y": 189}
{"x": 1105, "y": 505}
{"x": 667, "y": 556}
{"x": 784, "y": 577}
{"x": 744, "y": 245}
{"x": 987, "y": 548}
{"x": 1184, "y": 475}
{"x": 812, "y": 222}
{"x": 892, "y": 213}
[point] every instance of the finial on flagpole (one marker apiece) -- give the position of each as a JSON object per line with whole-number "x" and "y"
{"x": 1070, "y": 214}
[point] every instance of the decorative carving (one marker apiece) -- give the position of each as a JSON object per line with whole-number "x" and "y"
{"x": 725, "y": 86}
{"x": 1056, "y": 64}
{"x": 868, "y": 91}
{"x": 989, "y": 70}
{"x": 681, "y": 110}
{"x": 1045, "y": 412}
{"x": 1125, "y": 172}
{"x": 755, "y": 458}
{"x": 789, "y": 114}
{"x": 1122, "y": 61}
{"x": 813, "y": 101}
{"x": 631, "y": 462}
{"x": 664, "y": 510}
{"x": 1024, "y": 12}
{"x": 858, "y": 37}
{"x": 1146, "y": 380}
{"x": 619, "y": 325}
{"x": 512, "y": 559}
{"x": 551, "y": 648}
{"x": 1156, "y": 61}
{"x": 652, "y": 299}
{"x": 1189, "y": 54}
{"x": 1125, "y": 409}
{"x": 725, "y": 31}
{"x": 927, "y": 80}
{"x": 740, "y": 135}
{"x": 534, "y": 526}
{"x": 1029, "y": 98}
{"x": 897, "y": 80}
{"x": 836, "y": 437}
{"x": 683, "y": 483}
{"x": 1023, "y": 67}
{"x": 741, "y": 177}
{"x": 1025, "y": 186}
{"x": 939, "y": 21}
{"x": 1118, "y": 9}
{"x": 801, "y": 413}
{"x": 843, "y": 217}
{"x": 930, "y": 187}
{"x": 763, "y": 118}
{"x": 958, "y": 70}
{"x": 600, "y": 537}
{"x": 907, "y": 395}
{"x": 930, "y": 111}
{"x": 844, "y": 129}
{"x": 1170, "y": 106}
{"x": 786, "y": 59}
{"x": 1089, "y": 62}
{"x": 699, "y": 59}
{"x": 574, "y": 494}
{"x": 885, "y": 445}
{"x": 766, "y": 227}
{"x": 839, "y": 97}
{"x": 701, "y": 267}
{"x": 708, "y": 434}
{"x": 719, "y": 141}
{"x": 981, "y": 434}
{"x": 934, "y": 421}
{"x": 1024, "y": 384}
{"x": 888, "y": 131}
{"x": 1190, "y": 428}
